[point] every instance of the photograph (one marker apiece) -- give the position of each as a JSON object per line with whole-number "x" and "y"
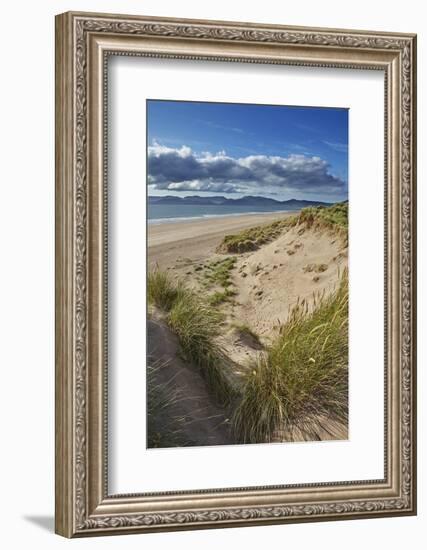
{"x": 235, "y": 271}
{"x": 247, "y": 273}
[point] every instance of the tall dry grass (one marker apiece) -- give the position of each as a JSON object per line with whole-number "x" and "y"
{"x": 333, "y": 218}
{"x": 196, "y": 324}
{"x": 164, "y": 426}
{"x": 302, "y": 376}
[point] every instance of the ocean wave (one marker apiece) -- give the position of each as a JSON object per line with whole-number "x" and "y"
{"x": 157, "y": 221}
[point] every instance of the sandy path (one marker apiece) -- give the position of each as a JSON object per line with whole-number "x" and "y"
{"x": 197, "y": 239}
{"x": 205, "y": 422}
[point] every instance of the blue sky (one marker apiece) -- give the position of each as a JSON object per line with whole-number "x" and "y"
{"x": 239, "y": 149}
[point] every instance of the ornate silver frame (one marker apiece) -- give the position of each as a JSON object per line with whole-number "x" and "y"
{"x": 83, "y": 42}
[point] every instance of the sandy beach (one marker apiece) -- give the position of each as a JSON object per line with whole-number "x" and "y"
{"x": 198, "y": 239}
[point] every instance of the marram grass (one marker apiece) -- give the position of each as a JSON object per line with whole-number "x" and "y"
{"x": 303, "y": 375}
{"x": 252, "y": 238}
{"x": 161, "y": 289}
{"x": 164, "y": 427}
{"x": 333, "y": 218}
{"x": 196, "y": 324}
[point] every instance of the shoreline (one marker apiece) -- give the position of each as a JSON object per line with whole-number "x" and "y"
{"x": 161, "y": 221}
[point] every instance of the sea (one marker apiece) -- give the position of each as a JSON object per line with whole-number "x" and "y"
{"x": 167, "y": 213}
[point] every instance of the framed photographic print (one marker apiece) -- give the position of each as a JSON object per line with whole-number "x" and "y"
{"x": 235, "y": 274}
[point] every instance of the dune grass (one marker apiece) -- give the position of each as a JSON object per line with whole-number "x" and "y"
{"x": 196, "y": 324}
{"x": 303, "y": 375}
{"x": 164, "y": 427}
{"x": 161, "y": 290}
{"x": 252, "y": 238}
{"x": 219, "y": 271}
{"x": 333, "y": 218}
{"x": 221, "y": 296}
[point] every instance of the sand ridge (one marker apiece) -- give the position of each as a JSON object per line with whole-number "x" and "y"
{"x": 263, "y": 285}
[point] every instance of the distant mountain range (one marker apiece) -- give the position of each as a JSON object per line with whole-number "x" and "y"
{"x": 243, "y": 201}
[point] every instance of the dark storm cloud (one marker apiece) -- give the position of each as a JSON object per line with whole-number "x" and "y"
{"x": 183, "y": 170}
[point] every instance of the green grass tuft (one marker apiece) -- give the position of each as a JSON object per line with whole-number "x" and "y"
{"x": 304, "y": 373}
{"x": 196, "y": 324}
{"x": 161, "y": 290}
{"x": 253, "y": 238}
{"x": 334, "y": 218}
{"x": 219, "y": 271}
{"x": 220, "y": 297}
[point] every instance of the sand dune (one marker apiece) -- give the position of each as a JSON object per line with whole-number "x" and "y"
{"x": 270, "y": 280}
{"x": 266, "y": 283}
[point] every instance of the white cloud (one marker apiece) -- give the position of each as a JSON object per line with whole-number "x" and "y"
{"x": 183, "y": 170}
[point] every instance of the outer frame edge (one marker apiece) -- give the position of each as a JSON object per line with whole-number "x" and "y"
{"x": 63, "y": 278}
{"x": 64, "y": 388}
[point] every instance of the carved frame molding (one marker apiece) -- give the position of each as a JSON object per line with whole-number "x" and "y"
{"x": 83, "y": 41}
